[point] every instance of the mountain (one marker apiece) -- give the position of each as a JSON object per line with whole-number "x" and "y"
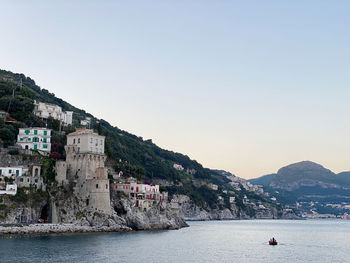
{"x": 126, "y": 152}
{"x": 311, "y": 185}
{"x": 306, "y": 173}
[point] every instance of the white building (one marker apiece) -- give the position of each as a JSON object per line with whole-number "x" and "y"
{"x": 10, "y": 171}
{"x": 86, "y": 141}
{"x": 232, "y": 199}
{"x": 8, "y": 189}
{"x": 35, "y": 139}
{"x": 46, "y": 110}
{"x": 178, "y": 167}
{"x": 213, "y": 187}
{"x": 86, "y": 122}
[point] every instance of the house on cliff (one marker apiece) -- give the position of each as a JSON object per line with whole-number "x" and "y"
{"x": 35, "y": 139}
{"x": 144, "y": 195}
{"x": 46, "y": 110}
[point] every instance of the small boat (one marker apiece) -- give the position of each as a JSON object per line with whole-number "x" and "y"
{"x": 272, "y": 242}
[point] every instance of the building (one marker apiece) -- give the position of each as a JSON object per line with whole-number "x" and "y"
{"x": 86, "y": 122}
{"x": 24, "y": 176}
{"x": 35, "y": 139}
{"x": 8, "y": 189}
{"x": 178, "y": 167}
{"x": 11, "y": 171}
{"x": 213, "y": 186}
{"x": 31, "y": 177}
{"x": 144, "y": 195}
{"x": 85, "y": 168}
{"x": 232, "y": 199}
{"x": 87, "y": 141}
{"x": 46, "y": 110}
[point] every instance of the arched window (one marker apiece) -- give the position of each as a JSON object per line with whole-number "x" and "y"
{"x": 36, "y": 172}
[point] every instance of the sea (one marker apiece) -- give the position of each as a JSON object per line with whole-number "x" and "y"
{"x": 211, "y": 241}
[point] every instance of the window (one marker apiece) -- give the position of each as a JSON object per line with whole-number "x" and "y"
{"x": 106, "y": 186}
{"x": 35, "y": 132}
{"x": 101, "y": 142}
{"x": 78, "y": 140}
{"x": 27, "y": 132}
{"x": 21, "y": 139}
{"x": 45, "y": 133}
{"x": 17, "y": 172}
{"x": 21, "y": 180}
{"x": 96, "y": 186}
{"x": 28, "y": 139}
{"x": 45, "y": 146}
{"x": 44, "y": 139}
{"x": 28, "y": 180}
{"x": 10, "y": 171}
{"x": 36, "y": 180}
{"x": 91, "y": 140}
{"x": 73, "y": 141}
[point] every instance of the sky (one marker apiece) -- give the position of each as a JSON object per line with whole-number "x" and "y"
{"x": 244, "y": 86}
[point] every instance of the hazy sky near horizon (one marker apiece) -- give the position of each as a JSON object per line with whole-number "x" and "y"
{"x": 245, "y": 86}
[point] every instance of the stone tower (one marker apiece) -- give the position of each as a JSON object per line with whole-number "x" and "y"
{"x": 85, "y": 167}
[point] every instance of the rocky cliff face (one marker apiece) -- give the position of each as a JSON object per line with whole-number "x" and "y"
{"x": 13, "y": 212}
{"x": 65, "y": 208}
{"x": 192, "y": 212}
{"x": 160, "y": 216}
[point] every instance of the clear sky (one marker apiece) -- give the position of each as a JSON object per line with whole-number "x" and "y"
{"x": 245, "y": 86}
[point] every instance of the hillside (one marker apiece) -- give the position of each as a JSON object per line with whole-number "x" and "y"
{"x": 126, "y": 152}
{"x": 311, "y": 185}
{"x": 264, "y": 180}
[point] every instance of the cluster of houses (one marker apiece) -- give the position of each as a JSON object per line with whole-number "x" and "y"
{"x": 20, "y": 176}
{"x": 144, "y": 195}
{"x": 47, "y": 110}
{"x": 84, "y": 158}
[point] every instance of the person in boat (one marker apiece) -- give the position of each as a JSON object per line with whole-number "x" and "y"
{"x": 273, "y": 239}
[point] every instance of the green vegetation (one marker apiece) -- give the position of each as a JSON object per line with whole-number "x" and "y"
{"x": 128, "y": 153}
{"x": 25, "y": 195}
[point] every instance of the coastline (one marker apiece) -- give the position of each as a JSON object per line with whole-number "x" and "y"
{"x": 58, "y": 229}
{"x": 38, "y": 229}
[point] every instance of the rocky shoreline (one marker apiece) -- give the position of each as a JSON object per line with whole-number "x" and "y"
{"x": 58, "y": 229}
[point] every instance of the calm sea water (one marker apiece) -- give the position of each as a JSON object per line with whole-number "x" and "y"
{"x": 215, "y": 241}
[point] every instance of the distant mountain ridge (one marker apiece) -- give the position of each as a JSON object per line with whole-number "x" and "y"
{"x": 307, "y": 182}
{"x": 305, "y": 173}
